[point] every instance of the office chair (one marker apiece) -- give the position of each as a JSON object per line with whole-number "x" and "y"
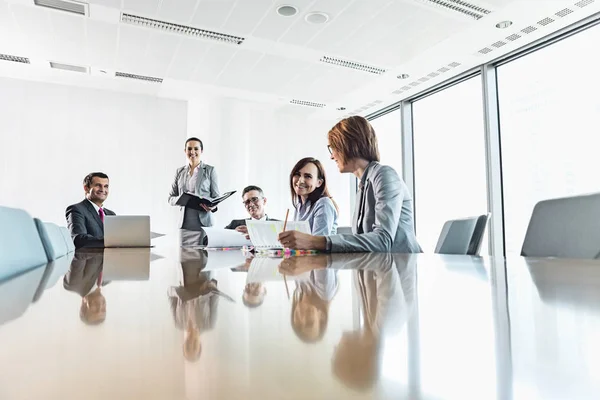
{"x": 462, "y": 236}
{"x": 567, "y": 227}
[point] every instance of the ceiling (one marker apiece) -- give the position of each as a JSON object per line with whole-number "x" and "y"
{"x": 279, "y": 58}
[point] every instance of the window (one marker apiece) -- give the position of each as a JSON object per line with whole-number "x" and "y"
{"x": 389, "y": 137}
{"x": 549, "y": 118}
{"x": 449, "y": 159}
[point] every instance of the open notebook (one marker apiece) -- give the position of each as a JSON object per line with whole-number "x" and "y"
{"x": 263, "y": 234}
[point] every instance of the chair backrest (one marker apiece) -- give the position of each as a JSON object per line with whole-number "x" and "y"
{"x": 52, "y": 239}
{"x": 21, "y": 248}
{"x": 478, "y": 232}
{"x": 567, "y": 227}
{"x": 344, "y": 229}
{"x": 462, "y": 236}
{"x": 68, "y": 239}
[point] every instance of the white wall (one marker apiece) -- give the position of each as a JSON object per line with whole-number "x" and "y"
{"x": 52, "y": 136}
{"x": 252, "y": 143}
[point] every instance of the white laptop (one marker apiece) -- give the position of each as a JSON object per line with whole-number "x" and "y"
{"x": 127, "y": 231}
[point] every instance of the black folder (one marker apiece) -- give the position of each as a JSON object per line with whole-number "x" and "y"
{"x": 195, "y": 202}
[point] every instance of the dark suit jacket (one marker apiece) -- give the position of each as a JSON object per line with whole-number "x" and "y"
{"x": 87, "y": 230}
{"x": 242, "y": 222}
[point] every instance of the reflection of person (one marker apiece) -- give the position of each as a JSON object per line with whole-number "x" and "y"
{"x": 199, "y": 179}
{"x": 255, "y": 201}
{"x": 385, "y": 293}
{"x": 311, "y": 198}
{"x": 310, "y": 304}
{"x": 194, "y": 304}
{"x": 383, "y": 218}
{"x": 85, "y": 278}
{"x": 86, "y": 218}
{"x": 254, "y": 294}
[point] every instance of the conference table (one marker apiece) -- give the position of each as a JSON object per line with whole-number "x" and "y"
{"x": 172, "y": 323}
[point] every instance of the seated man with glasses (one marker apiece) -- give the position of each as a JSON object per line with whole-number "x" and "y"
{"x": 254, "y": 200}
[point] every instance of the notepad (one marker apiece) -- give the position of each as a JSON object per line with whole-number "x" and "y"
{"x": 263, "y": 234}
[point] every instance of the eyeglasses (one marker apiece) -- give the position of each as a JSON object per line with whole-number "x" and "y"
{"x": 253, "y": 200}
{"x": 330, "y": 149}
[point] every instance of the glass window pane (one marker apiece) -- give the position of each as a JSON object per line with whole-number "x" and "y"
{"x": 389, "y": 136}
{"x": 549, "y": 118}
{"x": 449, "y": 152}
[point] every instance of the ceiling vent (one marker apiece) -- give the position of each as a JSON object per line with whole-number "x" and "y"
{"x": 74, "y": 7}
{"x": 353, "y": 65}
{"x": 564, "y": 13}
{"x": 138, "y": 77}
{"x": 584, "y": 3}
{"x": 69, "y": 67}
{"x": 307, "y": 103}
{"x": 459, "y": 6}
{"x": 180, "y": 29}
{"x": 545, "y": 21}
{"x": 8, "y": 57}
{"x": 427, "y": 77}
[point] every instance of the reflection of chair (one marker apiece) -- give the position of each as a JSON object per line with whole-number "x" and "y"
{"x": 567, "y": 227}
{"x": 20, "y": 243}
{"x": 462, "y": 236}
{"x": 344, "y": 229}
{"x": 52, "y": 239}
{"x": 17, "y": 293}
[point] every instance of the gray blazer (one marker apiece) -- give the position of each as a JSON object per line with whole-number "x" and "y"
{"x": 383, "y": 215}
{"x": 206, "y": 186}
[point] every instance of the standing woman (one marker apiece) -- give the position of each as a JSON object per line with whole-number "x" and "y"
{"x": 311, "y": 198}
{"x": 199, "y": 179}
{"x": 383, "y": 217}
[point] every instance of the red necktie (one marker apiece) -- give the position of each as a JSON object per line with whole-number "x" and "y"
{"x": 101, "y": 213}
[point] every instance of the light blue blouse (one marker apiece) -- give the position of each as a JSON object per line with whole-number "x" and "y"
{"x": 322, "y": 218}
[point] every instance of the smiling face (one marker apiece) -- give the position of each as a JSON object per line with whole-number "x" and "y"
{"x": 97, "y": 191}
{"x": 193, "y": 150}
{"x": 342, "y": 164}
{"x": 306, "y": 180}
{"x": 254, "y": 203}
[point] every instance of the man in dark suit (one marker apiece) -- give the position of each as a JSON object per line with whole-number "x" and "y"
{"x": 85, "y": 220}
{"x": 254, "y": 201}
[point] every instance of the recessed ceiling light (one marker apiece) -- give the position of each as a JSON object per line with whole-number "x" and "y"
{"x": 316, "y": 17}
{"x": 503, "y": 24}
{"x": 341, "y": 108}
{"x": 403, "y": 76}
{"x": 287, "y": 11}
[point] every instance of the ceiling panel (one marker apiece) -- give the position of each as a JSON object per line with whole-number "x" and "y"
{"x": 216, "y": 59}
{"x": 179, "y": 11}
{"x": 273, "y": 26}
{"x": 102, "y": 43}
{"x": 107, "y": 3}
{"x": 189, "y": 54}
{"x": 144, "y": 7}
{"x": 160, "y": 52}
{"x": 69, "y": 37}
{"x": 212, "y": 14}
{"x": 246, "y": 15}
{"x": 8, "y": 27}
{"x": 301, "y": 33}
{"x": 133, "y": 42}
{"x": 240, "y": 66}
{"x": 36, "y": 29}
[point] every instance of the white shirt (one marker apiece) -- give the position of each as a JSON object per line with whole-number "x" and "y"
{"x": 191, "y": 185}
{"x": 96, "y": 207}
{"x": 264, "y": 218}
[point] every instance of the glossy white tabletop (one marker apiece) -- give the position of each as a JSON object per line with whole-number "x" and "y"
{"x": 176, "y": 325}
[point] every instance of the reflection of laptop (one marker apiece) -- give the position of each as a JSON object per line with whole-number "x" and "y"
{"x": 126, "y": 264}
{"x": 126, "y": 231}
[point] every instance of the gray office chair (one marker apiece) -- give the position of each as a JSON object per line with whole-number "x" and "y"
{"x": 567, "y": 227}
{"x": 344, "y": 229}
{"x": 462, "y": 236}
{"x": 21, "y": 248}
{"x": 52, "y": 239}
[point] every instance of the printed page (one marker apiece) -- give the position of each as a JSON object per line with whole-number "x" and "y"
{"x": 225, "y": 238}
{"x": 263, "y": 234}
